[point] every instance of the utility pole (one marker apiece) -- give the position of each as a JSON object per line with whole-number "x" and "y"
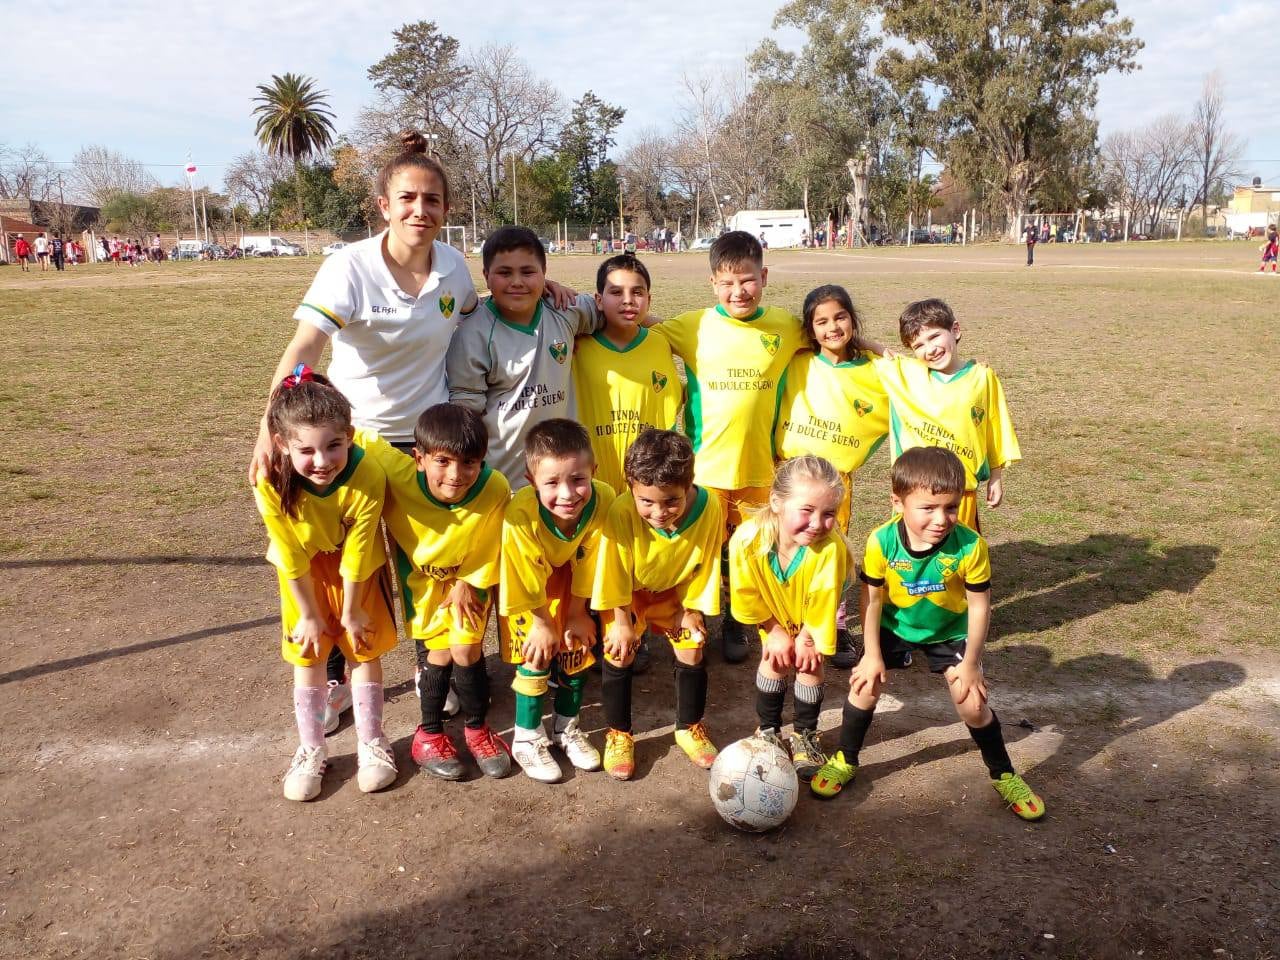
{"x": 515, "y": 193}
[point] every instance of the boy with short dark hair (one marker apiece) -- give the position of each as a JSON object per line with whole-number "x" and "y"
{"x": 550, "y": 539}
{"x": 937, "y": 399}
{"x": 625, "y": 379}
{"x": 734, "y": 354}
{"x": 510, "y": 358}
{"x": 444, "y": 510}
{"x": 659, "y": 568}
{"x": 927, "y": 589}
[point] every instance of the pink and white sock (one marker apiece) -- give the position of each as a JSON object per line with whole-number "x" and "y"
{"x": 367, "y": 706}
{"x": 308, "y": 709}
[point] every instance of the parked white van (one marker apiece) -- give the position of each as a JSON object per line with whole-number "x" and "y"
{"x": 267, "y": 246}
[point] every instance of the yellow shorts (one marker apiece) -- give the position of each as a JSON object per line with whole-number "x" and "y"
{"x": 328, "y": 587}
{"x": 444, "y": 631}
{"x": 661, "y": 612}
{"x": 844, "y": 513}
{"x": 732, "y": 502}
{"x": 513, "y": 630}
{"x": 969, "y": 510}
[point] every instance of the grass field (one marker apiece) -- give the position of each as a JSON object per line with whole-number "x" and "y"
{"x": 1137, "y": 597}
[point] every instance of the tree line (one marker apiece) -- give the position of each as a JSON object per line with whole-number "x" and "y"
{"x": 1001, "y": 93}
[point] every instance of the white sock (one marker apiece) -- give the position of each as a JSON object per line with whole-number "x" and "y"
{"x": 562, "y": 723}
{"x": 524, "y": 734}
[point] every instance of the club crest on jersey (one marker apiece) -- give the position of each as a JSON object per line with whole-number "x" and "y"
{"x": 978, "y": 415}
{"x": 560, "y": 350}
{"x": 862, "y": 408}
{"x": 948, "y": 565}
{"x": 447, "y": 304}
{"x": 659, "y": 381}
{"x": 771, "y": 342}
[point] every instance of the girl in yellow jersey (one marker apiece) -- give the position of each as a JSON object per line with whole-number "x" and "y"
{"x": 787, "y": 570}
{"x": 321, "y": 502}
{"x": 833, "y": 406}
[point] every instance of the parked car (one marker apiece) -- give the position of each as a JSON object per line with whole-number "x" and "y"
{"x": 267, "y": 246}
{"x": 702, "y": 243}
{"x": 333, "y": 247}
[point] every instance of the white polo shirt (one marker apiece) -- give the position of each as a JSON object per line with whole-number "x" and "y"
{"x": 388, "y": 347}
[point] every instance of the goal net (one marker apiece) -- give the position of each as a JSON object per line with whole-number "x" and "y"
{"x": 455, "y": 237}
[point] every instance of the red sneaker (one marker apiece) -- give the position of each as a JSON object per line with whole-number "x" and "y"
{"x": 491, "y": 752}
{"x": 436, "y": 755}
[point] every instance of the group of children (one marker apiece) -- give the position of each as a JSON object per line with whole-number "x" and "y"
{"x": 558, "y": 486}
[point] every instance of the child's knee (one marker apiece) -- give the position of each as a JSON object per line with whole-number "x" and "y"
{"x": 466, "y": 654}
{"x": 689, "y": 656}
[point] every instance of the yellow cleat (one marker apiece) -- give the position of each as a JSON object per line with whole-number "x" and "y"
{"x": 697, "y": 746}
{"x": 1021, "y": 799}
{"x": 833, "y": 776}
{"x": 619, "y": 754}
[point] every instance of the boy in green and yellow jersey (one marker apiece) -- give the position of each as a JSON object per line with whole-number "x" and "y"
{"x": 927, "y": 590}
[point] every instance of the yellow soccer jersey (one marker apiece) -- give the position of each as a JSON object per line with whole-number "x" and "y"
{"x": 342, "y": 517}
{"x": 735, "y": 370}
{"x": 805, "y": 594}
{"x": 965, "y": 413}
{"x": 439, "y": 543}
{"x": 635, "y": 556}
{"x": 620, "y": 392}
{"x": 532, "y": 547}
{"x": 925, "y": 590}
{"x": 838, "y": 411}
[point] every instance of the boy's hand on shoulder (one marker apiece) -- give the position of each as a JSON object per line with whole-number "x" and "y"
{"x": 964, "y": 679}
{"x": 868, "y": 676}
{"x": 561, "y": 297}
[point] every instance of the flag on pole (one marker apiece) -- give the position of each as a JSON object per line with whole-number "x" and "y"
{"x": 191, "y": 169}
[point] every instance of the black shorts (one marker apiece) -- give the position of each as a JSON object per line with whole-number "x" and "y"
{"x": 897, "y": 652}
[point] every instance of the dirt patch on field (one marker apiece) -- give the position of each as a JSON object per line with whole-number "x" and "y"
{"x": 142, "y": 815}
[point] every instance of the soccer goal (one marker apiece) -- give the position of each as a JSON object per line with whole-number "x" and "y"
{"x": 455, "y": 237}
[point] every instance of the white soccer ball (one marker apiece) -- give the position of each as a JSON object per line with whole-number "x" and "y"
{"x": 753, "y": 785}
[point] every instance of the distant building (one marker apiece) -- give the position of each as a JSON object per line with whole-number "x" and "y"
{"x": 1253, "y": 207}
{"x": 45, "y": 214}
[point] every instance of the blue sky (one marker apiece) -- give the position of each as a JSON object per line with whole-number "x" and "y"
{"x": 156, "y": 80}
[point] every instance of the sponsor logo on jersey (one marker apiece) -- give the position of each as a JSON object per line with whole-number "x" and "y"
{"x": 378, "y": 310}
{"x": 771, "y": 342}
{"x": 978, "y": 415}
{"x": 447, "y": 304}
{"x": 560, "y": 350}
{"x": 862, "y": 408}
{"x": 900, "y": 565}
{"x": 659, "y": 381}
{"x": 922, "y": 587}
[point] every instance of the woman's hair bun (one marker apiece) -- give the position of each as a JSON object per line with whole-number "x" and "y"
{"x": 413, "y": 142}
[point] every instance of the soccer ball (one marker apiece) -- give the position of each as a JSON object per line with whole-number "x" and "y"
{"x": 753, "y": 785}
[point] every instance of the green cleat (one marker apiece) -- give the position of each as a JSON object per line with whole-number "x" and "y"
{"x": 1021, "y": 799}
{"x": 832, "y": 776}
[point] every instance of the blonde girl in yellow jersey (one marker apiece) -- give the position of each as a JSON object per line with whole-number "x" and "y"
{"x": 834, "y": 406}
{"x": 788, "y": 564}
{"x": 321, "y": 501}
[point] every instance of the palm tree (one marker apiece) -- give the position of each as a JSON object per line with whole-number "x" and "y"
{"x": 294, "y": 121}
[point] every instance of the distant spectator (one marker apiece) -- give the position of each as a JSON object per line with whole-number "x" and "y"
{"x": 22, "y": 250}
{"x": 58, "y": 252}
{"x": 42, "y": 250}
{"x": 157, "y": 253}
{"x": 1031, "y": 233}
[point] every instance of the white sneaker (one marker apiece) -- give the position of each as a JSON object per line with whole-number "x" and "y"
{"x": 337, "y": 700}
{"x": 534, "y": 757}
{"x": 375, "y": 765}
{"x": 302, "y": 782}
{"x": 577, "y": 747}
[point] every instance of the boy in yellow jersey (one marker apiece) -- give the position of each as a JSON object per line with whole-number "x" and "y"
{"x": 927, "y": 589}
{"x": 624, "y": 376}
{"x": 550, "y": 541}
{"x": 444, "y": 510}
{"x": 940, "y": 400}
{"x": 659, "y": 566}
{"x": 734, "y": 354}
